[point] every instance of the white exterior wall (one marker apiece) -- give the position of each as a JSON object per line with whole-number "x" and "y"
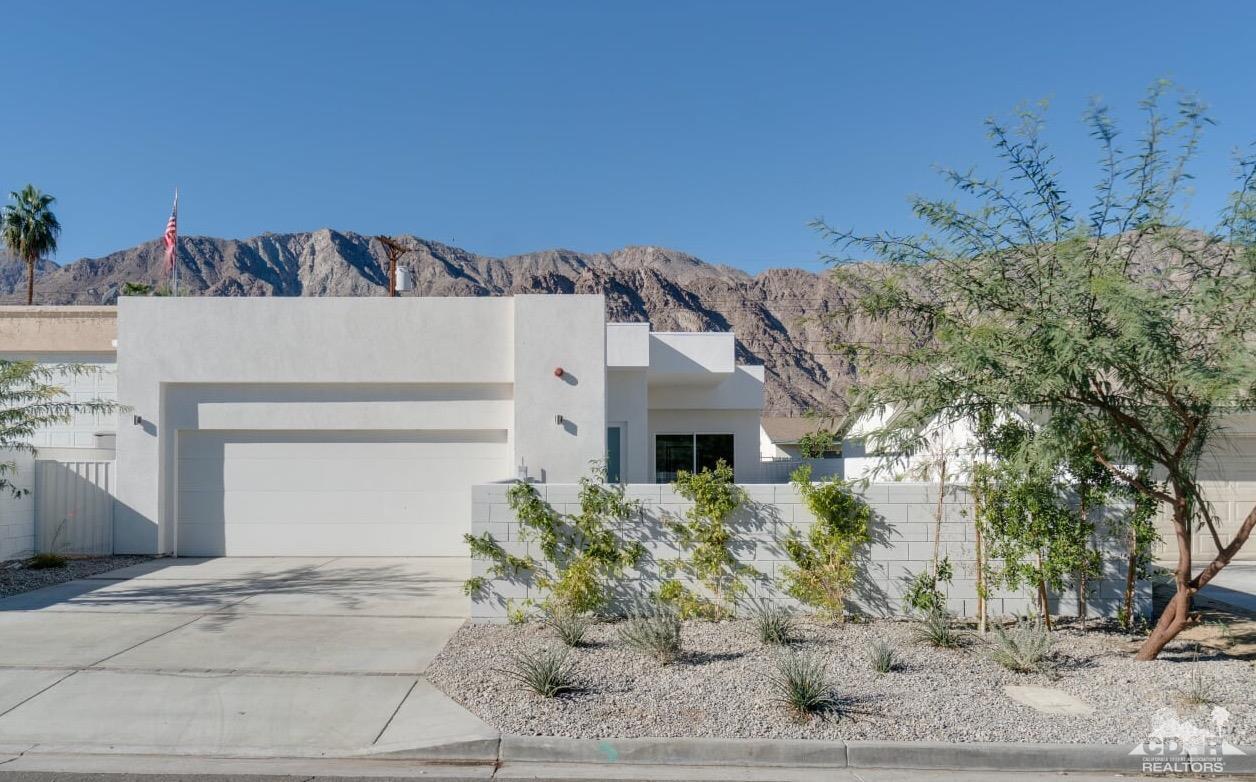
{"x": 628, "y": 403}
{"x": 17, "y": 514}
{"x": 352, "y": 364}
{"x": 552, "y": 332}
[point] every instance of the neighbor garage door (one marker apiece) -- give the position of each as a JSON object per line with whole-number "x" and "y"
{"x": 331, "y": 493}
{"x": 1228, "y": 477}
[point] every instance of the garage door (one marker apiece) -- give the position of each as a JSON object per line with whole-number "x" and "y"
{"x": 1228, "y": 478}
{"x": 331, "y": 493}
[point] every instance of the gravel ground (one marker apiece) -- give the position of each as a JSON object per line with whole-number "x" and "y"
{"x": 16, "y": 578}
{"x": 720, "y": 688}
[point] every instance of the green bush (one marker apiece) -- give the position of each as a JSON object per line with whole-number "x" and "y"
{"x": 706, "y": 537}
{"x": 823, "y": 566}
{"x": 582, "y": 555}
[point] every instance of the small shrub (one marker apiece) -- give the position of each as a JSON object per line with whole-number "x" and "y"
{"x": 881, "y": 656}
{"x": 1026, "y": 648}
{"x": 653, "y": 631}
{"x": 474, "y": 586}
{"x": 569, "y": 626}
{"x": 515, "y": 614}
{"x": 46, "y": 561}
{"x": 1199, "y": 689}
{"x": 823, "y": 567}
{"x": 800, "y": 683}
{"x": 935, "y": 629}
{"x": 775, "y": 624}
{"x": 708, "y": 540}
{"x": 545, "y": 672}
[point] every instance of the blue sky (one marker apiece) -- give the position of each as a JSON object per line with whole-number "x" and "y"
{"x": 718, "y": 128}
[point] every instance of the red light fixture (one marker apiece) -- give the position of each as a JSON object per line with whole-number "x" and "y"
{"x": 558, "y": 372}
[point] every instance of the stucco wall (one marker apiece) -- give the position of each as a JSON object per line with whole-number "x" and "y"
{"x": 902, "y": 546}
{"x": 59, "y": 329}
{"x": 627, "y": 402}
{"x": 552, "y": 332}
{"x": 353, "y": 363}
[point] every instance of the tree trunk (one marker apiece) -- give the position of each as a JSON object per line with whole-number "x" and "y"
{"x": 1044, "y": 604}
{"x": 981, "y": 565}
{"x": 30, "y": 281}
{"x": 1131, "y": 574}
{"x": 1177, "y": 613}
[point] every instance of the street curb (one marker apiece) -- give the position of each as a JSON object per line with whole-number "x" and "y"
{"x": 673, "y": 751}
{"x": 475, "y": 751}
{"x": 804, "y": 753}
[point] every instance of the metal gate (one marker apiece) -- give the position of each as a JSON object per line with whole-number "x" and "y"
{"x": 74, "y": 507}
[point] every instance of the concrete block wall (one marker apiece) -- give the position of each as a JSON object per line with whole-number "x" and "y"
{"x": 17, "y": 514}
{"x": 903, "y": 542}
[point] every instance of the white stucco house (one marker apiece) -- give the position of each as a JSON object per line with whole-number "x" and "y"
{"x": 357, "y": 426}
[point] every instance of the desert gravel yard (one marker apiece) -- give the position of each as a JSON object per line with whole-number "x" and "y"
{"x": 721, "y": 687}
{"x": 16, "y": 577}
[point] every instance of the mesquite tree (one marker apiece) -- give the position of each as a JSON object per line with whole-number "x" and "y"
{"x": 1114, "y": 324}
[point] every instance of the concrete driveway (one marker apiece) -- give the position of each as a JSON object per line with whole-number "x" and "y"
{"x": 1235, "y": 585}
{"x": 291, "y": 657}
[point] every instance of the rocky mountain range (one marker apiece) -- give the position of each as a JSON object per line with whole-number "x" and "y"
{"x": 777, "y": 314}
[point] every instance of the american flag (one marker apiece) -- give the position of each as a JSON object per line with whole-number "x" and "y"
{"x": 172, "y": 233}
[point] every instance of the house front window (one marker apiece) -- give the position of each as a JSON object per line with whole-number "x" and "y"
{"x": 691, "y": 452}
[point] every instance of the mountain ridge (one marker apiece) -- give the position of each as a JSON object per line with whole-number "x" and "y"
{"x": 778, "y": 314}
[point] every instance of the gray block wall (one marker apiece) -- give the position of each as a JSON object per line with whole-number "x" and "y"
{"x": 902, "y": 534}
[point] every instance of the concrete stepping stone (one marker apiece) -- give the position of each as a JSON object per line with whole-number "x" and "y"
{"x": 1049, "y": 700}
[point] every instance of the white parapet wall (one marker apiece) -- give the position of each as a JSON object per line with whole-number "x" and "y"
{"x": 903, "y": 544}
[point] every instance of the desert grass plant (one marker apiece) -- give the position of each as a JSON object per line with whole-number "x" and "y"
{"x": 546, "y": 672}
{"x": 936, "y": 629}
{"x": 1199, "y": 689}
{"x": 774, "y": 624}
{"x": 882, "y": 657}
{"x": 653, "y": 630}
{"x": 1024, "y": 648}
{"x": 801, "y": 684}
{"x": 46, "y": 561}
{"x": 569, "y": 626}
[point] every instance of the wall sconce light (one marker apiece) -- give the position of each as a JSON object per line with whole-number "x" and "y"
{"x": 137, "y": 420}
{"x": 558, "y": 419}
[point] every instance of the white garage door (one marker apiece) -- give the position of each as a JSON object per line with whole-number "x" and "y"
{"x": 1228, "y": 477}
{"x": 331, "y": 493}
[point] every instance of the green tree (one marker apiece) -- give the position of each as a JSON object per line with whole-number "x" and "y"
{"x": 31, "y": 399}
{"x": 1115, "y": 324}
{"x": 30, "y": 230}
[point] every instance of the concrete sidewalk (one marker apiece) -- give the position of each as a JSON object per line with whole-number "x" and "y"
{"x": 1235, "y": 586}
{"x": 270, "y": 657}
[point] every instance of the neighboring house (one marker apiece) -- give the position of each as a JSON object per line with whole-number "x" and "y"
{"x": 780, "y": 450}
{"x": 313, "y": 426}
{"x": 57, "y": 335}
{"x": 780, "y": 436}
{"x": 1227, "y": 472}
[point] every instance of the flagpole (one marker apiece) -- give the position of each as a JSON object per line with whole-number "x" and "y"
{"x": 174, "y": 258}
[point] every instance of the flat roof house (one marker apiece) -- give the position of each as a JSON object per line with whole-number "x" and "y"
{"x": 357, "y": 426}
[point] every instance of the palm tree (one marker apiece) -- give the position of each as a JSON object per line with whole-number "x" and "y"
{"x": 30, "y": 230}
